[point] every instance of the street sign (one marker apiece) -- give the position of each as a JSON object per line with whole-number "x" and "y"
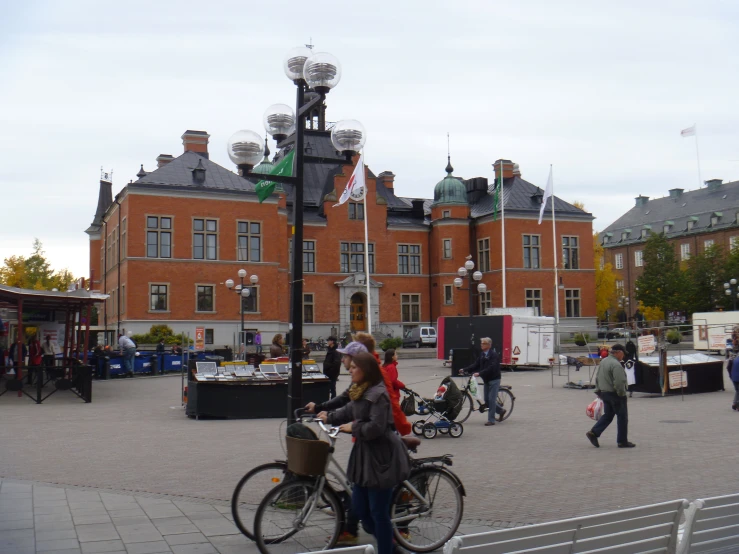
{"x": 647, "y": 344}
{"x": 676, "y": 382}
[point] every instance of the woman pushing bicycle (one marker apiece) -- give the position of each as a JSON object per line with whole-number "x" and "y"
{"x": 379, "y": 461}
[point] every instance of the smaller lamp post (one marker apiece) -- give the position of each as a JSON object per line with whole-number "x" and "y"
{"x": 243, "y": 292}
{"x": 475, "y": 277}
{"x": 730, "y": 290}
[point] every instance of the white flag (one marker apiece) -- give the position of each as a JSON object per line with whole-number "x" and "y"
{"x": 547, "y": 194}
{"x": 355, "y": 187}
{"x": 689, "y": 132}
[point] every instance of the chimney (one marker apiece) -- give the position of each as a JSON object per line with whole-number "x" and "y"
{"x": 164, "y": 159}
{"x": 196, "y": 141}
{"x": 676, "y": 193}
{"x": 713, "y": 184}
{"x": 418, "y": 208}
{"x": 388, "y": 179}
{"x": 516, "y": 170}
{"x": 507, "y": 169}
{"x": 641, "y": 200}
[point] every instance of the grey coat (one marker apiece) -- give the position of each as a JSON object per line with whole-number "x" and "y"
{"x": 379, "y": 459}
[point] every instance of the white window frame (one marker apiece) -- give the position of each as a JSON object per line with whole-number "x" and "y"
{"x": 483, "y": 254}
{"x": 446, "y": 253}
{"x": 533, "y": 299}
{"x": 685, "y": 251}
{"x": 638, "y": 258}
{"x": 618, "y": 260}
{"x": 197, "y": 304}
{"x": 168, "y": 294}
{"x": 448, "y": 295}
{"x": 247, "y": 256}
{"x": 205, "y": 233}
{"x": 707, "y": 244}
{"x": 159, "y": 232}
{"x": 485, "y": 301}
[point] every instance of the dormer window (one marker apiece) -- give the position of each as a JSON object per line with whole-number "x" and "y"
{"x": 667, "y": 227}
{"x": 645, "y": 231}
{"x": 625, "y": 234}
{"x": 605, "y": 239}
{"x": 715, "y": 218}
{"x": 691, "y": 222}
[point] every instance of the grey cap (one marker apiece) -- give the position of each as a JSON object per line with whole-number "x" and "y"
{"x": 353, "y": 348}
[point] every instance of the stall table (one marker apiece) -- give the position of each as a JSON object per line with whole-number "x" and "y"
{"x": 702, "y": 373}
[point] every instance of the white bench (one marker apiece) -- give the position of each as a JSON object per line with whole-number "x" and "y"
{"x": 711, "y": 525}
{"x": 646, "y": 529}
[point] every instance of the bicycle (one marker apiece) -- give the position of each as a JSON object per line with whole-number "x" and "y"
{"x": 506, "y": 400}
{"x": 306, "y": 513}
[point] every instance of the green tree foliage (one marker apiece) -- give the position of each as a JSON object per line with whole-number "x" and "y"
{"x": 704, "y": 277}
{"x": 157, "y": 333}
{"x": 662, "y": 284}
{"x": 34, "y": 272}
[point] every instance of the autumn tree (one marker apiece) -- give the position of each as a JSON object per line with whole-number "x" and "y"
{"x": 605, "y": 281}
{"x": 34, "y": 272}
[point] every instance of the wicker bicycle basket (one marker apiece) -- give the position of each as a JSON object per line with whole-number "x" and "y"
{"x": 306, "y": 457}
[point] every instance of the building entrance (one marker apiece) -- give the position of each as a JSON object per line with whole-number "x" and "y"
{"x": 358, "y": 313}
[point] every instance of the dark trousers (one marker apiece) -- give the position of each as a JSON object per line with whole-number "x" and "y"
{"x": 613, "y": 406}
{"x": 331, "y": 388}
{"x": 372, "y": 507}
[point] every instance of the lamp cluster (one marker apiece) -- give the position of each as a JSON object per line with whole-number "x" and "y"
{"x": 320, "y": 72}
{"x": 469, "y": 265}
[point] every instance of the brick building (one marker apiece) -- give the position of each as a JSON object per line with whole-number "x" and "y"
{"x": 692, "y": 221}
{"x": 165, "y": 245}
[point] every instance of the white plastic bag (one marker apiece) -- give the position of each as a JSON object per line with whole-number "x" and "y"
{"x": 595, "y": 409}
{"x": 475, "y": 390}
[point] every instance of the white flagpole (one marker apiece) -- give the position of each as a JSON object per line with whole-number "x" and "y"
{"x": 697, "y": 156}
{"x": 502, "y": 231}
{"x": 556, "y": 254}
{"x": 366, "y": 255}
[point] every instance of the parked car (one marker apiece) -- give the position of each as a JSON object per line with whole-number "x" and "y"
{"x": 616, "y": 333}
{"x": 420, "y": 336}
{"x": 602, "y": 332}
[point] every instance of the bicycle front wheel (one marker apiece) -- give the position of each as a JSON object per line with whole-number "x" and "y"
{"x": 468, "y": 406}
{"x": 505, "y": 401}
{"x": 293, "y": 517}
{"x": 425, "y": 523}
{"x": 250, "y": 491}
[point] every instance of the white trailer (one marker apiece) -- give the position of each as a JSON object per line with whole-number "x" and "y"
{"x": 712, "y": 330}
{"x": 532, "y": 341}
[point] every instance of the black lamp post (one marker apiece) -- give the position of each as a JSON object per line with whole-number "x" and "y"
{"x": 730, "y": 289}
{"x": 243, "y": 293}
{"x": 314, "y": 75}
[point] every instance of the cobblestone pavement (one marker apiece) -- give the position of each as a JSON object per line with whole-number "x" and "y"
{"x": 130, "y": 473}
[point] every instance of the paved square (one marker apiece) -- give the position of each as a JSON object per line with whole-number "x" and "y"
{"x": 155, "y": 481}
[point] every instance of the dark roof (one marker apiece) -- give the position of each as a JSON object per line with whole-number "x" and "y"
{"x": 105, "y": 199}
{"x": 520, "y": 196}
{"x": 178, "y": 173}
{"x": 698, "y": 205}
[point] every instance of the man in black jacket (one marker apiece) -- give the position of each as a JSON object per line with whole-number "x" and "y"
{"x": 487, "y": 366}
{"x": 332, "y": 365}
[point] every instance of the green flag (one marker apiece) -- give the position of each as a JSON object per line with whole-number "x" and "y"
{"x": 284, "y": 168}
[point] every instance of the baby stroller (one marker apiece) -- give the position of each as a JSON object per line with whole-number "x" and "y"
{"x": 439, "y": 411}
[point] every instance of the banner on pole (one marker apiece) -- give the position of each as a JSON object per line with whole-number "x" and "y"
{"x": 199, "y": 338}
{"x": 647, "y": 344}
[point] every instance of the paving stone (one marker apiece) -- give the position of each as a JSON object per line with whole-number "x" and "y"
{"x": 186, "y": 538}
{"x": 14, "y": 516}
{"x": 97, "y": 532}
{"x": 148, "y": 547}
{"x": 16, "y": 533}
{"x": 193, "y": 507}
{"x": 126, "y": 521}
{"x": 16, "y": 524}
{"x": 58, "y": 534}
{"x": 194, "y": 549}
{"x": 48, "y": 518}
{"x": 48, "y": 510}
{"x": 139, "y": 533}
{"x": 162, "y": 511}
{"x": 98, "y": 547}
{"x": 229, "y": 540}
{"x": 128, "y": 512}
{"x": 20, "y": 542}
{"x": 54, "y": 525}
{"x": 57, "y": 544}
{"x": 86, "y": 519}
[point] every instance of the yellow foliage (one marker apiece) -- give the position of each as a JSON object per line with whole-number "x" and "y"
{"x": 605, "y": 281}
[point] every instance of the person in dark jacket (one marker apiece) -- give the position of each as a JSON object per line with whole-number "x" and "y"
{"x": 487, "y": 366}
{"x": 379, "y": 460}
{"x": 332, "y": 365}
{"x": 735, "y": 380}
{"x": 275, "y": 349}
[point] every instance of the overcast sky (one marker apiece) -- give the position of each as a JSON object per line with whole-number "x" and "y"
{"x": 599, "y": 90}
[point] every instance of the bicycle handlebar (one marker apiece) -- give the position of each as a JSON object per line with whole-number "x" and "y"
{"x": 301, "y": 414}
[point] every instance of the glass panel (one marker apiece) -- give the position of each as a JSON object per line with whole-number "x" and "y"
{"x": 152, "y": 222}
{"x": 197, "y": 224}
{"x": 152, "y": 249}
{"x": 211, "y": 250}
{"x": 197, "y": 247}
{"x": 243, "y": 249}
{"x": 243, "y": 227}
{"x": 165, "y": 223}
{"x": 211, "y": 225}
{"x": 165, "y": 242}
{"x": 256, "y": 249}
{"x": 256, "y": 228}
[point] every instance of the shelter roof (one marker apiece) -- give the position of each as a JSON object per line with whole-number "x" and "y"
{"x": 48, "y": 299}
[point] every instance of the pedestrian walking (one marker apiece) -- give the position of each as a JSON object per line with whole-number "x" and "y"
{"x": 258, "y": 341}
{"x": 390, "y": 367}
{"x": 487, "y": 366}
{"x": 610, "y": 386}
{"x": 50, "y": 351}
{"x": 332, "y": 365}
{"x": 735, "y": 380}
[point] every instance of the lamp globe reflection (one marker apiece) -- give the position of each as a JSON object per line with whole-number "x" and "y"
{"x": 295, "y": 62}
{"x": 348, "y": 135}
{"x": 322, "y": 72}
{"x": 245, "y": 148}
{"x": 279, "y": 121}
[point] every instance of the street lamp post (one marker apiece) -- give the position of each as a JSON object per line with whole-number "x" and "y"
{"x": 314, "y": 75}
{"x": 475, "y": 277}
{"x": 243, "y": 292}
{"x": 730, "y": 289}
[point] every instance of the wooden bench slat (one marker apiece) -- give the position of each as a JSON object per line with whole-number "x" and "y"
{"x": 704, "y": 524}
{"x": 660, "y": 533}
{"x": 717, "y": 511}
{"x": 720, "y": 500}
{"x": 717, "y": 533}
{"x": 619, "y": 526}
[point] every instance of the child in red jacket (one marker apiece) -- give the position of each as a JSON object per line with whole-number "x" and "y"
{"x": 391, "y": 368}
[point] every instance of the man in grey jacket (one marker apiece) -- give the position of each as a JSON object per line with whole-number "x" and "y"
{"x": 610, "y": 386}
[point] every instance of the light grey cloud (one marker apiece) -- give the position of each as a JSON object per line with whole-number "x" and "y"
{"x": 601, "y": 91}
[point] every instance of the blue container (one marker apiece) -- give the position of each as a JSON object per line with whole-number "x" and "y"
{"x": 142, "y": 364}
{"x": 172, "y": 362}
{"x": 116, "y": 366}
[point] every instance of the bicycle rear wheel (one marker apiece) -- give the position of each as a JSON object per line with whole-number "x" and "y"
{"x": 422, "y": 527}
{"x": 250, "y": 491}
{"x": 505, "y": 401}
{"x": 468, "y": 406}
{"x": 294, "y": 518}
